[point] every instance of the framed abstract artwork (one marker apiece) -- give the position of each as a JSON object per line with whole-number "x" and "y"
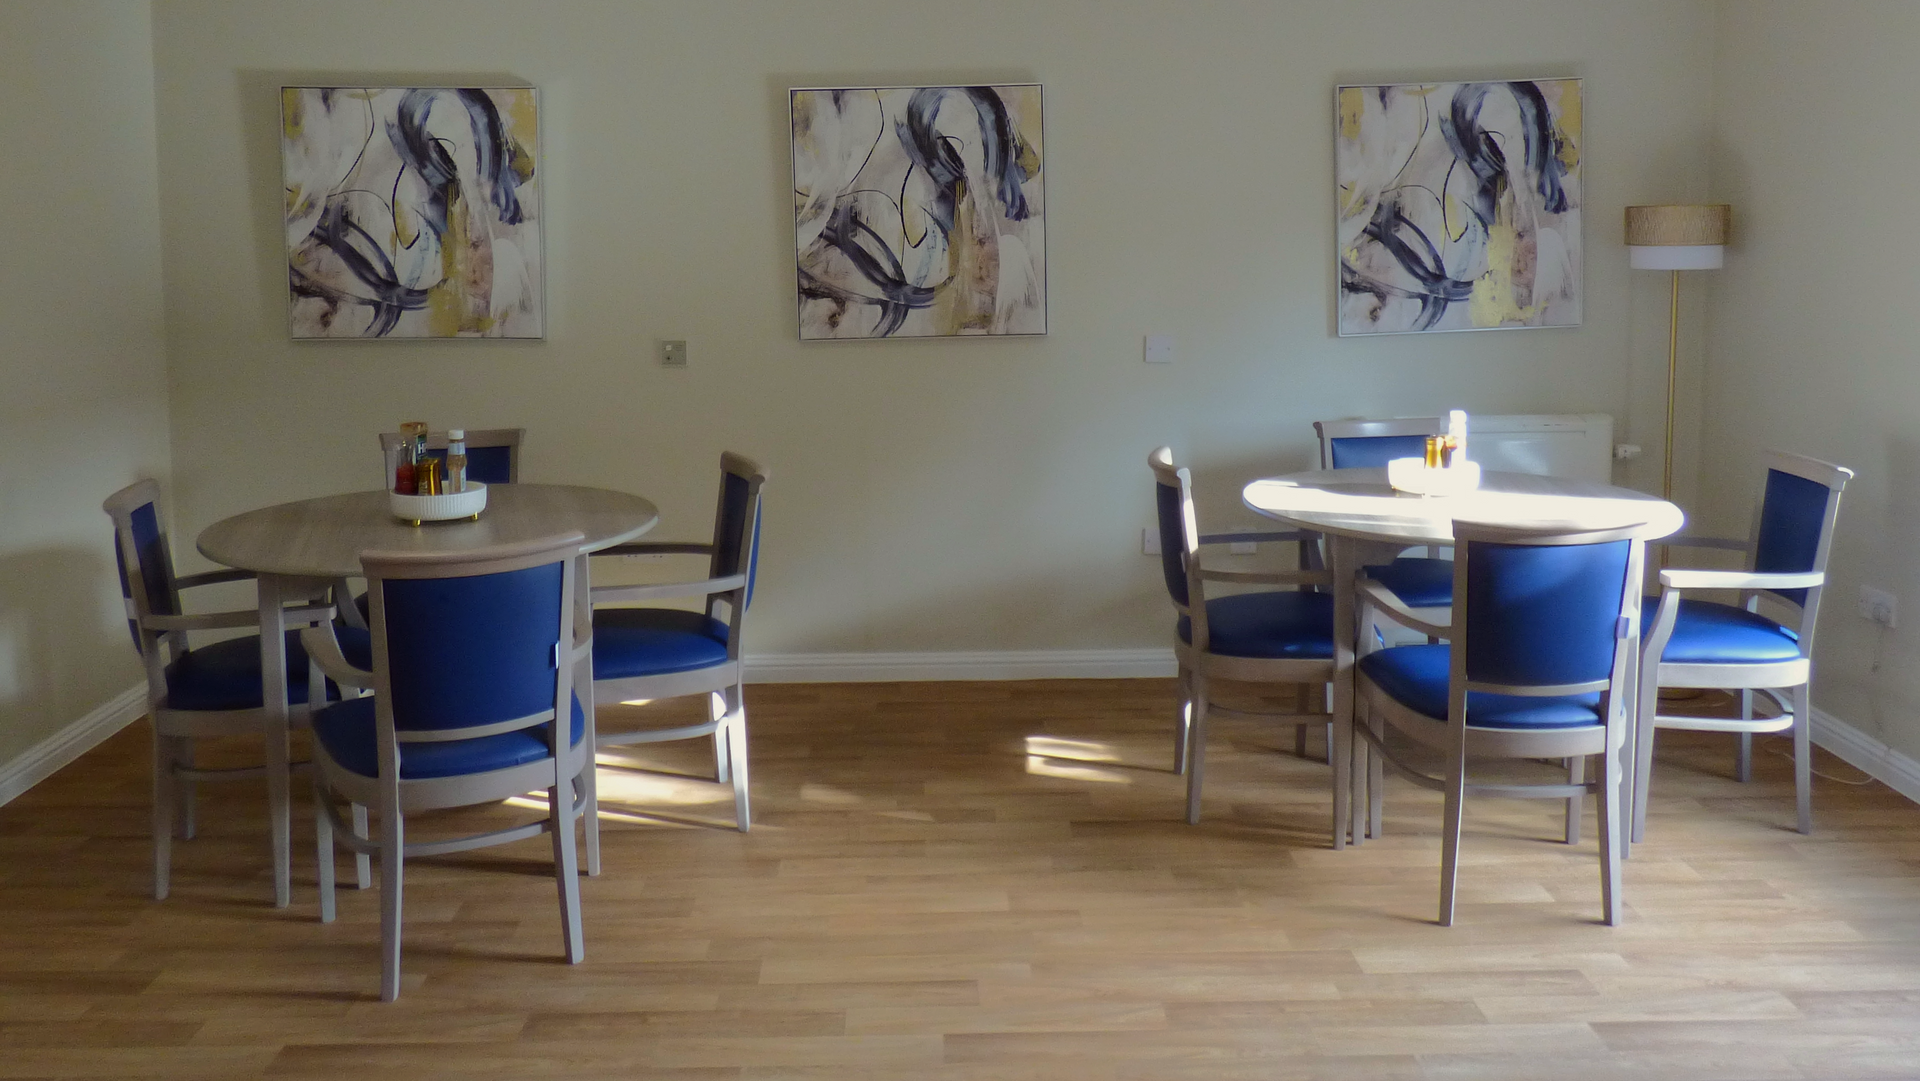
{"x": 919, "y": 211}
{"x": 1458, "y": 206}
{"x": 412, "y": 212}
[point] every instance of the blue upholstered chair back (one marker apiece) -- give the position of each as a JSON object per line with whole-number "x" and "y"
{"x": 151, "y": 555}
{"x": 1540, "y": 615}
{"x": 1376, "y": 451}
{"x": 1793, "y": 512}
{"x": 736, "y": 531}
{"x": 1173, "y": 539}
{"x": 474, "y": 650}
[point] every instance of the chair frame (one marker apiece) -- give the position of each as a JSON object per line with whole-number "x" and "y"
{"x": 565, "y": 775}
{"x": 1330, "y": 430}
{"x": 162, "y": 638}
{"x": 1199, "y": 667}
{"x": 724, "y": 684}
{"x": 1786, "y": 684}
{"x": 1460, "y": 741}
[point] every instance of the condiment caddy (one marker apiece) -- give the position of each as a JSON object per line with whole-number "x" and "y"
{"x": 425, "y": 488}
{"x": 1445, "y": 470}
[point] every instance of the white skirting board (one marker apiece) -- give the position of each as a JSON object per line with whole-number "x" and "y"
{"x": 71, "y": 742}
{"x": 1867, "y": 754}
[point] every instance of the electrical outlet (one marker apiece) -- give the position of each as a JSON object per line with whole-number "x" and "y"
{"x": 1879, "y": 606}
{"x": 1242, "y": 548}
{"x": 673, "y": 354}
{"x": 1150, "y": 541}
{"x": 1159, "y": 349}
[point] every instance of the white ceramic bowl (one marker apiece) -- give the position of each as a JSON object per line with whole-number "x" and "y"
{"x": 1412, "y": 475}
{"x": 439, "y": 508}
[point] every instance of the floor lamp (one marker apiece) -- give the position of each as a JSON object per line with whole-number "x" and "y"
{"x": 1676, "y": 238}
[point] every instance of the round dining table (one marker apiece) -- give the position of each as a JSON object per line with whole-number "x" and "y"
{"x": 302, "y": 549}
{"x": 1365, "y": 520}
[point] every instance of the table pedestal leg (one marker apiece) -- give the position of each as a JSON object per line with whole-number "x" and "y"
{"x": 273, "y": 689}
{"x": 1342, "y": 557}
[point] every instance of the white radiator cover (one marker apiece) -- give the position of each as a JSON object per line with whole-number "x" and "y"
{"x": 1573, "y": 445}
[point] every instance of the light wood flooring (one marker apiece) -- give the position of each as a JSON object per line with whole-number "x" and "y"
{"x": 984, "y": 880}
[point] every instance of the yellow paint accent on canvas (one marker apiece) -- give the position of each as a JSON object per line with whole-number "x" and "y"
{"x": 1492, "y": 303}
{"x": 523, "y": 131}
{"x": 1023, "y": 108}
{"x": 1570, "y": 125}
{"x": 447, "y": 301}
{"x": 293, "y": 112}
{"x": 1353, "y": 102}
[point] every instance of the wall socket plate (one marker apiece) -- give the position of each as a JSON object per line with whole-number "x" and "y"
{"x": 673, "y": 354}
{"x": 1242, "y": 548}
{"x": 1150, "y": 540}
{"x": 1879, "y": 606}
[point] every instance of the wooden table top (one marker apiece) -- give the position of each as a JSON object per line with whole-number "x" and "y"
{"x": 323, "y": 538}
{"x": 1360, "y": 503}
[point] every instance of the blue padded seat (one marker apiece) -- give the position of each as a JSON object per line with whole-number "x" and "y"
{"x": 226, "y": 674}
{"x": 347, "y": 730}
{"x": 1417, "y": 677}
{"x": 1418, "y": 582}
{"x": 1706, "y": 632}
{"x": 631, "y": 642}
{"x": 1293, "y": 626}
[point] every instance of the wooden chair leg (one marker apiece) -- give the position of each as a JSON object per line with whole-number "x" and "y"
{"x": 1743, "y": 756}
{"x": 1182, "y": 721}
{"x": 362, "y": 863}
{"x": 1196, "y": 746}
{"x": 1576, "y": 805}
{"x": 736, "y": 728}
{"x": 184, "y": 789}
{"x": 392, "y": 860}
{"x": 164, "y": 803}
{"x": 1647, "y": 710}
{"x": 1607, "y": 792}
{"x": 566, "y": 870}
{"x": 1803, "y": 757}
{"x": 1376, "y": 785}
{"x": 1340, "y": 754}
{"x": 323, "y": 845}
{"x": 1450, "y": 836}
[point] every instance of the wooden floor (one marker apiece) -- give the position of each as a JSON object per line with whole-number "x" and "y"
{"x": 984, "y": 880}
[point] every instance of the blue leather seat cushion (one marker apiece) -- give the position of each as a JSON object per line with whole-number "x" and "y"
{"x": 1282, "y": 626}
{"x": 1418, "y": 582}
{"x": 1707, "y": 632}
{"x": 226, "y": 674}
{"x": 347, "y": 731}
{"x": 629, "y": 642}
{"x": 1416, "y": 677}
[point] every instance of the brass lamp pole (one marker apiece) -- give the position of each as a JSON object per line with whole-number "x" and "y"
{"x": 1676, "y": 238}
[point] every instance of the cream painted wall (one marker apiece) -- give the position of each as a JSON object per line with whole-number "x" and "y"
{"x": 1811, "y": 350}
{"x": 85, "y": 408}
{"x": 931, "y": 495}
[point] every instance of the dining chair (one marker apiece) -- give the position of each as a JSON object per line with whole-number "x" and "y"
{"x": 1420, "y": 581}
{"x": 202, "y": 691}
{"x": 1258, "y": 638}
{"x": 1693, "y": 642}
{"x": 473, "y": 702}
{"x": 651, "y": 653}
{"x": 493, "y": 454}
{"x": 1538, "y": 660}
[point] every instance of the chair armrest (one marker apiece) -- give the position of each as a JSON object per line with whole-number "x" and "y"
{"x": 1255, "y": 538}
{"x": 666, "y": 590}
{"x": 207, "y": 578}
{"x": 1686, "y": 579}
{"x": 656, "y": 548}
{"x": 1377, "y": 596}
{"x": 323, "y": 649}
{"x": 204, "y": 621}
{"x": 1687, "y": 540}
{"x": 1268, "y": 578}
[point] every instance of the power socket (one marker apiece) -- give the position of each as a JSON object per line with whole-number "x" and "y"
{"x": 1150, "y": 540}
{"x": 1242, "y": 548}
{"x": 1879, "y": 606}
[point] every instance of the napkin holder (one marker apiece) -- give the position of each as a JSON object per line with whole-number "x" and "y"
{"x": 439, "y": 508}
{"x": 1412, "y": 475}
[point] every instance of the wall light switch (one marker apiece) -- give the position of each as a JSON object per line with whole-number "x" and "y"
{"x": 673, "y": 354}
{"x": 1159, "y": 349}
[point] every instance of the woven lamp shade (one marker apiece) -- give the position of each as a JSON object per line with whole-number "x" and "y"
{"x": 1683, "y": 237}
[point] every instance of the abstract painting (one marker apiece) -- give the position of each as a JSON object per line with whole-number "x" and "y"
{"x": 412, "y": 212}
{"x": 1459, "y": 206}
{"x": 919, "y": 211}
